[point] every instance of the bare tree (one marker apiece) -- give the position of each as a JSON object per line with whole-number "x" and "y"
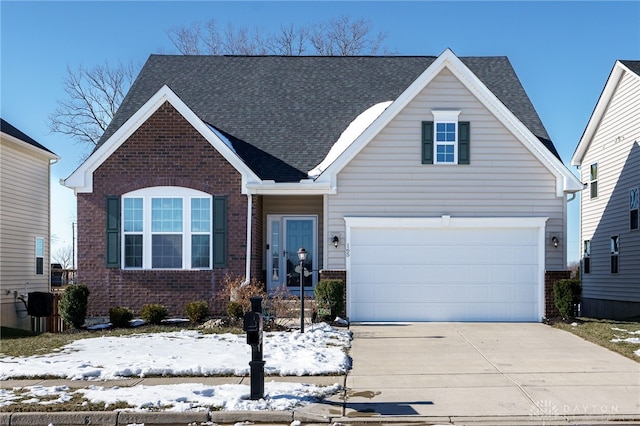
{"x": 63, "y": 256}
{"x": 289, "y": 41}
{"x": 343, "y": 36}
{"x": 93, "y": 96}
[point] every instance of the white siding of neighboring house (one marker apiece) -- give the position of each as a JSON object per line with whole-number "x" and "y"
{"x": 615, "y": 147}
{"x": 24, "y": 216}
{"x": 504, "y": 179}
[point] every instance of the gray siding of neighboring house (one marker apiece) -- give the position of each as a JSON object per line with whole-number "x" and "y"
{"x": 615, "y": 148}
{"x": 504, "y": 179}
{"x": 24, "y": 209}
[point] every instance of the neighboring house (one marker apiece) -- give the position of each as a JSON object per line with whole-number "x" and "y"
{"x": 428, "y": 183}
{"x": 25, "y": 182}
{"x": 608, "y": 156}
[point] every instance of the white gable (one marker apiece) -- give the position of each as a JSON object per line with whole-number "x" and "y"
{"x": 619, "y": 69}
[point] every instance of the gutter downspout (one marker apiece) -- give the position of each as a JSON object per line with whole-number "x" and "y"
{"x": 249, "y": 220}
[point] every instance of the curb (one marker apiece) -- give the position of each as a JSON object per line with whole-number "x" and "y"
{"x": 120, "y": 418}
{"x": 123, "y": 418}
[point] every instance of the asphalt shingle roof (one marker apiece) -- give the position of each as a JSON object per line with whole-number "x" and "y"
{"x": 633, "y": 66}
{"x": 283, "y": 113}
{"x": 9, "y": 129}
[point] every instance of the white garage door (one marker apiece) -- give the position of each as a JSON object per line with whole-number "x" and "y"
{"x": 399, "y": 273}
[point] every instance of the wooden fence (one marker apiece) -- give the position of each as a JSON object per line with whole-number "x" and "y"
{"x": 55, "y": 324}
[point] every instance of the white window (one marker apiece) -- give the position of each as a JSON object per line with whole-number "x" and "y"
{"x": 39, "y": 256}
{"x": 166, "y": 228}
{"x": 615, "y": 253}
{"x": 445, "y": 137}
{"x": 586, "y": 257}
{"x": 634, "y": 220}
{"x": 593, "y": 179}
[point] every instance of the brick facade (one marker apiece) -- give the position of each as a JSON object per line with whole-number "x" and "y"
{"x": 164, "y": 151}
{"x": 550, "y": 310}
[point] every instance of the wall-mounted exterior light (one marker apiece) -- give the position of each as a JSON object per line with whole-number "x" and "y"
{"x": 555, "y": 241}
{"x": 335, "y": 241}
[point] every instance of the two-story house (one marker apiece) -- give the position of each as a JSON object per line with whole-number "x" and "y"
{"x": 608, "y": 156}
{"x": 429, "y": 184}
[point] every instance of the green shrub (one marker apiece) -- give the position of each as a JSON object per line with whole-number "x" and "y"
{"x": 120, "y": 316}
{"x": 330, "y": 295}
{"x": 73, "y": 304}
{"x": 566, "y": 296}
{"x": 153, "y": 313}
{"x": 234, "y": 309}
{"x": 197, "y": 311}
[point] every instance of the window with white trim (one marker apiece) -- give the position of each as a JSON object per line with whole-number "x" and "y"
{"x": 615, "y": 253}
{"x": 167, "y": 228}
{"x": 445, "y": 137}
{"x": 39, "y": 256}
{"x": 634, "y": 220}
{"x": 586, "y": 257}
{"x": 593, "y": 180}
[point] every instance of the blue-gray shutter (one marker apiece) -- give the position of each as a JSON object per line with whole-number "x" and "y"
{"x": 220, "y": 232}
{"x": 427, "y": 142}
{"x": 113, "y": 232}
{"x": 464, "y": 143}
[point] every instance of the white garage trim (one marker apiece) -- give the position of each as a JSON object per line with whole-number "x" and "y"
{"x": 535, "y": 225}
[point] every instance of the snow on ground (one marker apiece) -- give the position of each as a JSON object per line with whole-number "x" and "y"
{"x": 634, "y": 340}
{"x": 321, "y": 350}
{"x": 178, "y": 397}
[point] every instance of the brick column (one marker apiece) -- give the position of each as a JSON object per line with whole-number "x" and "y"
{"x": 550, "y": 310}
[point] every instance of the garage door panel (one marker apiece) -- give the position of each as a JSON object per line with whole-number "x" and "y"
{"x": 443, "y": 274}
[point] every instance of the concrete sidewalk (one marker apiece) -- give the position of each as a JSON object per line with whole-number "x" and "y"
{"x": 429, "y": 373}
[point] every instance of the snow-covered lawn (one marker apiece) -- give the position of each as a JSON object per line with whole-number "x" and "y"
{"x": 634, "y": 340}
{"x": 319, "y": 351}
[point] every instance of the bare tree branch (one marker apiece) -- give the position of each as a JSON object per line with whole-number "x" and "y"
{"x": 93, "y": 97}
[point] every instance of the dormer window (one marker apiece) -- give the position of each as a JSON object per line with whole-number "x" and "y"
{"x": 445, "y": 140}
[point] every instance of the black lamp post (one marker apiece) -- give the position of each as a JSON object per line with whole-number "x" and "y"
{"x": 302, "y": 255}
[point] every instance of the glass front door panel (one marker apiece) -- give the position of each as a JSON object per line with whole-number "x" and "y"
{"x": 286, "y": 235}
{"x": 299, "y": 233}
{"x": 275, "y": 252}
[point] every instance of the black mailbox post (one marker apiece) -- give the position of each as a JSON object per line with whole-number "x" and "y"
{"x": 253, "y": 328}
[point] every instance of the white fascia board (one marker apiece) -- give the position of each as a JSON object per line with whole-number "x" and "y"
{"x": 565, "y": 180}
{"x": 598, "y": 112}
{"x": 81, "y": 180}
{"x": 27, "y": 146}
{"x": 304, "y": 187}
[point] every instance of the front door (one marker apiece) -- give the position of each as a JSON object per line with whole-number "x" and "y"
{"x": 286, "y": 234}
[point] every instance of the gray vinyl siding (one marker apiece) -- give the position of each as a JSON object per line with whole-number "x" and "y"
{"x": 504, "y": 179}
{"x": 24, "y": 216}
{"x": 615, "y": 147}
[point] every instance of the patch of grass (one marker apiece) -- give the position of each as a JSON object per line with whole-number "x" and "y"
{"x": 24, "y": 344}
{"x": 76, "y": 403}
{"x": 601, "y": 332}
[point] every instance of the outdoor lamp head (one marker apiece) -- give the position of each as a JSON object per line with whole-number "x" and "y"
{"x": 302, "y": 254}
{"x": 335, "y": 241}
{"x": 554, "y": 240}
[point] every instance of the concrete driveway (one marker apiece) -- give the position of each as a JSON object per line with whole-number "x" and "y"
{"x": 499, "y": 373}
